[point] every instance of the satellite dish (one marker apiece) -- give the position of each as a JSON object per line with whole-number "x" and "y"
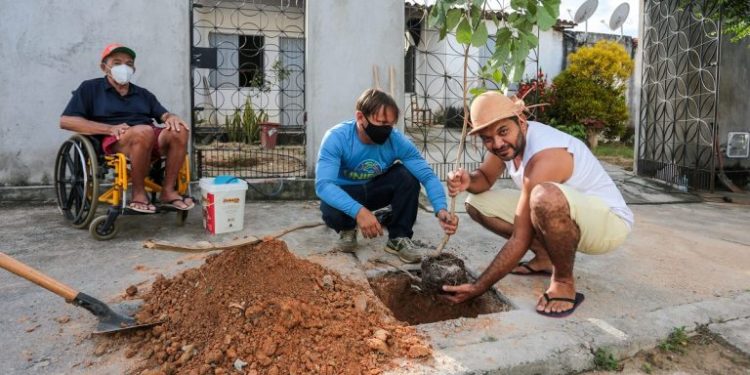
{"x": 585, "y": 11}
{"x": 619, "y": 16}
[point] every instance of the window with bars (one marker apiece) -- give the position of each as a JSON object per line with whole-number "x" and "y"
{"x": 240, "y": 60}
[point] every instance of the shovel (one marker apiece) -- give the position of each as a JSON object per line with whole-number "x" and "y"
{"x": 109, "y": 320}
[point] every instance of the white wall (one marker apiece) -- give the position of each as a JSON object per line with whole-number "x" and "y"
{"x": 345, "y": 39}
{"x": 49, "y": 47}
{"x": 549, "y": 55}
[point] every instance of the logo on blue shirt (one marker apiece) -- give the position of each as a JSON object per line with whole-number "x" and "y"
{"x": 366, "y": 170}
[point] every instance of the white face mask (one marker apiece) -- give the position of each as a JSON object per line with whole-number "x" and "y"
{"x": 122, "y": 73}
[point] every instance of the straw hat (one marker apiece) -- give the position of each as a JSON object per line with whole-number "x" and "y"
{"x": 491, "y": 107}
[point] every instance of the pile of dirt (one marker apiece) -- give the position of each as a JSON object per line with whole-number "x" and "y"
{"x": 261, "y": 310}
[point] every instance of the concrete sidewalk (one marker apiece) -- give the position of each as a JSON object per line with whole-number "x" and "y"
{"x": 683, "y": 265}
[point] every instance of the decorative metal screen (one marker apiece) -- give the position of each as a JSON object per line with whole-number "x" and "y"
{"x": 434, "y": 106}
{"x": 679, "y": 97}
{"x": 248, "y": 87}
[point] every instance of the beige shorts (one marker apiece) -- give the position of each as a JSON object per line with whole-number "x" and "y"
{"x": 601, "y": 229}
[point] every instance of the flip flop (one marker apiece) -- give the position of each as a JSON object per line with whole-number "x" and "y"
{"x": 576, "y": 302}
{"x": 531, "y": 270}
{"x": 172, "y": 205}
{"x": 147, "y": 210}
{"x": 192, "y": 201}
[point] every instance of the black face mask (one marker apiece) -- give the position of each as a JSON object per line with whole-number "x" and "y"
{"x": 378, "y": 134}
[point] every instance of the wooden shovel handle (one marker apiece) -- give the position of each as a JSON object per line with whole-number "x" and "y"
{"x": 37, "y": 277}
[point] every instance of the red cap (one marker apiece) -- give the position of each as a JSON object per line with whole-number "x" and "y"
{"x": 116, "y": 47}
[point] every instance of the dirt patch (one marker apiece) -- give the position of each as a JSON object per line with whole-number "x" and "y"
{"x": 702, "y": 354}
{"x": 252, "y": 159}
{"x": 260, "y": 310}
{"x": 624, "y": 163}
{"x": 415, "y": 307}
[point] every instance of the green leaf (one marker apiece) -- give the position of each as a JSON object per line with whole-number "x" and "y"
{"x": 518, "y": 73}
{"x": 544, "y": 19}
{"x": 518, "y": 4}
{"x": 552, "y": 7}
{"x": 501, "y": 52}
{"x": 463, "y": 32}
{"x": 502, "y": 36}
{"x": 476, "y": 16}
{"x": 478, "y": 3}
{"x": 451, "y": 20}
{"x": 479, "y": 38}
{"x": 432, "y": 20}
{"x": 497, "y": 75}
{"x": 476, "y": 91}
{"x": 531, "y": 39}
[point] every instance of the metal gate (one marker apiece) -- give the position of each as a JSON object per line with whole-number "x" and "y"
{"x": 680, "y": 92}
{"x": 247, "y": 65}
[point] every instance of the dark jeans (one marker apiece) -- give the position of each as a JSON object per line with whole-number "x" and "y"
{"x": 397, "y": 187}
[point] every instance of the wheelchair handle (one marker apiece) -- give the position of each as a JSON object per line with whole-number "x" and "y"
{"x": 36, "y": 277}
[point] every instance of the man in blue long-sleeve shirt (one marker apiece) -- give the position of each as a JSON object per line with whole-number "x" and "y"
{"x": 365, "y": 164}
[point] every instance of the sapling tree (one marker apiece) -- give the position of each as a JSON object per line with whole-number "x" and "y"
{"x": 514, "y": 39}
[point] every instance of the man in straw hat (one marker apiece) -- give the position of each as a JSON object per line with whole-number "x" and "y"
{"x": 566, "y": 202}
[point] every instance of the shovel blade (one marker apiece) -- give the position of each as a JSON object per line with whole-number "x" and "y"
{"x": 113, "y": 318}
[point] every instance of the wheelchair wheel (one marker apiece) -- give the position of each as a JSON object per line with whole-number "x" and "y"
{"x": 99, "y": 232}
{"x": 77, "y": 180}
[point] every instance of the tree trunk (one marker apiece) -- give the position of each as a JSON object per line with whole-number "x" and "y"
{"x": 592, "y": 138}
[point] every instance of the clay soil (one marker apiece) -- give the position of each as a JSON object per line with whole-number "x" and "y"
{"x": 415, "y": 307}
{"x": 703, "y": 354}
{"x": 261, "y": 310}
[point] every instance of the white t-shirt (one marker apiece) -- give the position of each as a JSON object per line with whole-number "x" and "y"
{"x": 588, "y": 176}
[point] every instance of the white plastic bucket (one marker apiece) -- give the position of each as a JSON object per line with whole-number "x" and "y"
{"x": 223, "y": 205}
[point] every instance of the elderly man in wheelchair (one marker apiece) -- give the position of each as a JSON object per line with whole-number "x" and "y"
{"x": 115, "y": 115}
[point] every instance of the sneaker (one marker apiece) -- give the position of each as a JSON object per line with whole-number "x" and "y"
{"x": 347, "y": 241}
{"x": 405, "y": 248}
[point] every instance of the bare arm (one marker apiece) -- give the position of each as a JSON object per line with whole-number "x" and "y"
{"x": 477, "y": 181}
{"x": 482, "y": 178}
{"x": 553, "y": 165}
{"x": 82, "y": 126}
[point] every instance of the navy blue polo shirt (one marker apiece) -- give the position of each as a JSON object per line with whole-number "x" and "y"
{"x": 97, "y": 100}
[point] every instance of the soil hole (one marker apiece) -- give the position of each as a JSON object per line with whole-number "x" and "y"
{"x": 415, "y": 307}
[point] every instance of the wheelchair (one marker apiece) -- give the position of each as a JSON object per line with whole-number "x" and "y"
{"x": 82, "y": 171}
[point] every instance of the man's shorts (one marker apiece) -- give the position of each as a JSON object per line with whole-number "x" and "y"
{"x": 108, "y": 143}
{"x": 601, "y": 229}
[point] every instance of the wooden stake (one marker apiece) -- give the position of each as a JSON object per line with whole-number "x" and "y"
{"x": 205, "y": 246}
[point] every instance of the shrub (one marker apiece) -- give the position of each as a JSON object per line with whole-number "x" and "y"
{"x": 576, "y": 130}
{"x": 591, "y": 91}
{"x": 244, "y": 124}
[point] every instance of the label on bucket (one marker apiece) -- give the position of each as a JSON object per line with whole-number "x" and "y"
{"x": 209, "y": 213}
